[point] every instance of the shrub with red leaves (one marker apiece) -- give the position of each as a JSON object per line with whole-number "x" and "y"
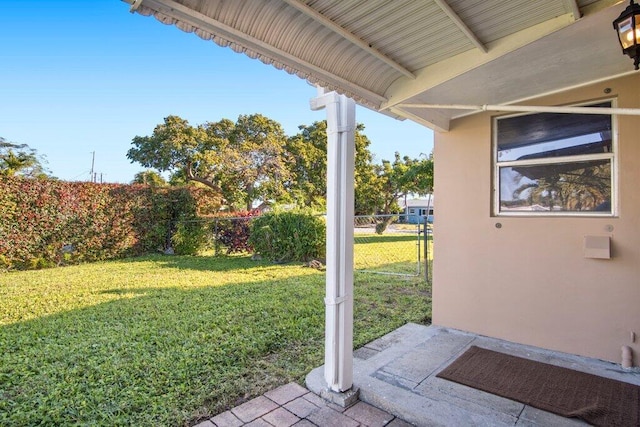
{"x": 45, "y": 222}
{"x": 232, "y": 230}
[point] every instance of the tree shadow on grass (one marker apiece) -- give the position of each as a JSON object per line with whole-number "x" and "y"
{"x": 169, "y": 355}
{"x": 201, "y": 262}
{"x": 157, "y": 355}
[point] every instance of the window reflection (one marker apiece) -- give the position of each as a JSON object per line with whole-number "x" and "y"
{"x": 567, "y": 187}
{"x": 543, "y": 135}
{"x": 585, "y": 144}
{"x": 555, "y": 162}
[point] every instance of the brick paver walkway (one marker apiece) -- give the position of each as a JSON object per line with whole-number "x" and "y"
{"x": 294, "y": 405}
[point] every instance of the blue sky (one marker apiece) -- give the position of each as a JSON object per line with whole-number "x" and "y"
{"x": 78, "y": 77}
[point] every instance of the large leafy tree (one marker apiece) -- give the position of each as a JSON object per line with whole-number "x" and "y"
{"x": 418, "y": 178}
{"x": 253, "y": 160}
{"x": 256, "y": 164}
{"x": 243, "y": 161}
{"x": 20, "y": 160}
{"x": 365, "y": 182}
{"x": 308, "y": 167}
{"x": 392, "y": 175}
{"x": 402, "y": 177}
{"x": 175, "y": 145}
{"x": 397, "y": 179}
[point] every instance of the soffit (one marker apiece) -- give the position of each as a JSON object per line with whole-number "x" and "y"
{"x": 551, "y": 64}
{"x": 387, "y": 54}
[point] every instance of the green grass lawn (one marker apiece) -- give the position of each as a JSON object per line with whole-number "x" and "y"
{"x": 167, "y": 340}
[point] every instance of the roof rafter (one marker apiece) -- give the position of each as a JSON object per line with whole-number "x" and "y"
{"x": 449, "y": 68}
{"x": 442, "y": 4}
{"x": 135, "y": 5}
{"x": 312, "y": 13}
{"x": 572, "y": 5}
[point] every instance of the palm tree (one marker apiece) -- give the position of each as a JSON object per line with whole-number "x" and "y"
{"x": 19, "y": 159}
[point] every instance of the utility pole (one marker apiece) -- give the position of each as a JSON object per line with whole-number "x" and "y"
{"x": 92, "y": 176}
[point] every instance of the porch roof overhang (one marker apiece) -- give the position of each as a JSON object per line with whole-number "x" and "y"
{"x": 399, "y": 56}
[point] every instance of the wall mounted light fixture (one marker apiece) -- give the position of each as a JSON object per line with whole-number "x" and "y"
{"x": 628, "y": 27}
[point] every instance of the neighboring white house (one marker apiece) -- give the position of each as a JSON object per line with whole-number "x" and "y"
{"x": 415, "y": 210}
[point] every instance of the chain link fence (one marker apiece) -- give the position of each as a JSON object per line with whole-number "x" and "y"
{"x": 393, "y": 244}
{"x": 384, "y": 244}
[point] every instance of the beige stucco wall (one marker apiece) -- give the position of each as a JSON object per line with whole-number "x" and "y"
{"x": 528, "y": 281}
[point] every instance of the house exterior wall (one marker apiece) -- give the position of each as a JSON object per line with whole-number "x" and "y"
{"x": 412, "y": 215}
{"x": 415, "y": 214}
{"x": 528, "y": 281}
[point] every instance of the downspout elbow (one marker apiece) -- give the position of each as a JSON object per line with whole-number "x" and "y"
{"x": 627, "y": 357}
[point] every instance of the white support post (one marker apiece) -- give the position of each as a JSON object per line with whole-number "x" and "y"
{"x": 338, "y": 367}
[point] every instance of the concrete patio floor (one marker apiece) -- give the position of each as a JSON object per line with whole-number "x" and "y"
{"x": 396, "y": 378}
{"x": 397, "y": 374}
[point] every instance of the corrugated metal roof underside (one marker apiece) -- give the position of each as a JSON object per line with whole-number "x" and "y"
{"x": 390, "y": 55}
{"x": 491, "y": 20}
{"x": 537, "y": 69}
{"x": 412, "y": 33}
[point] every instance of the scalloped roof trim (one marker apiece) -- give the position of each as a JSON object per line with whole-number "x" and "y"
{"x": 238, "y": 48}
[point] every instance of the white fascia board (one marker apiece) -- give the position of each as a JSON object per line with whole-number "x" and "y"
{"x": 531, "y": 109}
{"x": 572, "y": 5}
{"x": 432, "y": 119}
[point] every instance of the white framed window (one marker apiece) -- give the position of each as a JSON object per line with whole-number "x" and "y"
{"x": 555, "y": 164}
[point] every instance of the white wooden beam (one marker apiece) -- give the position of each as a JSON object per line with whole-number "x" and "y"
{"x": 135, "y": 4}
{"x": 315, "y": 15}
{"x": 529, "y": 109}
{"x": 440, "y": 72}
{"x": 341, "y": 125}
{"x": 573, "y": 7}
{"x": 433, "y": 119}
{"x": 461, "y": 25}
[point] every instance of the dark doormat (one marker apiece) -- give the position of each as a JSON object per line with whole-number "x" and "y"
{"x": 596, "y": 400}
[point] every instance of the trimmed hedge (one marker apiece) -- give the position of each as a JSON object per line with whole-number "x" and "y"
{"x": 46, "y": 223}
{"x": 289, "y": 236}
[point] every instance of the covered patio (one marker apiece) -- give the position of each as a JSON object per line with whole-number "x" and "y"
{"x": 396, "y": 377}
{"x": 555, "y": 282}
